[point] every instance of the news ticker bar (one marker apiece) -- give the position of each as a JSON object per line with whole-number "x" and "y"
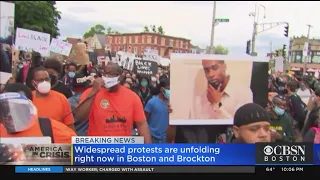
{"x": 134, "y": 169}
{"x": 167, "y": 169}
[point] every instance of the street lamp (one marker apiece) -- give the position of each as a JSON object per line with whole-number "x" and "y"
{"x": 255, "y": 16}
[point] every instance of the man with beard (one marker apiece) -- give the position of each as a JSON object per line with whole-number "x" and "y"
{"x": 223, "y": 95}
{"x": 112, "y": 110}
{"x": 251, "y": 124}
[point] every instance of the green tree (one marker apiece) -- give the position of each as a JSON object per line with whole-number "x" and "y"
{"x": 221, "y": 50}
{"x": 112, "y": 31}
{"x": 39, "y": 16}
{"x": 109, "y": 30}
{"x": 97, "y": 29}
{"x": 160, "y": 30}
{"x": 146, "y": 29}
{"x": 154, "y": 29}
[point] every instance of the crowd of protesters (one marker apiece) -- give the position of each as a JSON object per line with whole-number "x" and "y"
{"x": 94, "y": 100}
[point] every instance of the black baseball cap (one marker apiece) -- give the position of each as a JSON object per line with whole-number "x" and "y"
{"x": 80, "y": 80}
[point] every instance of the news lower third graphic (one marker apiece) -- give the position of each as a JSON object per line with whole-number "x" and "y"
{"x": 163, "y": 154}
{"x": 27, "y": 154}
{"x": 284, "y": 154}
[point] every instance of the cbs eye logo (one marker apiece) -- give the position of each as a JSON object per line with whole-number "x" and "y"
{"x": 268, "y": 150}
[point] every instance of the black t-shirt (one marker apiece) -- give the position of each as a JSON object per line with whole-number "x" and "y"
{"x": 63, "y": 89}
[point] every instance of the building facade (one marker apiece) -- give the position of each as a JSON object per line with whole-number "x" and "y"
{"x": 197, "y": 50}
{"x": 296, "y": 58}
{"x": 137, "y": 42}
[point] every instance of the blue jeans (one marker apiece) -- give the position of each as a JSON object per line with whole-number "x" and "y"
{"x": 159, "y": 141}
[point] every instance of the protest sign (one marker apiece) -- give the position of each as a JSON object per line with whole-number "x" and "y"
{"x": 279, "y": 64}
{"x": 126, "y": 60}
{"x": 150, "y": 54}
{"x": 102, "y": 60}
{"x": 60, "y": 47}
{"x": 192, "y": 75}
{"x": 82, "y": 56}
{"x": 27, "y": 40}
{"x": 79, "y": 54}
{"x": 6, "y": 39}
{"x": 146, "y": 68}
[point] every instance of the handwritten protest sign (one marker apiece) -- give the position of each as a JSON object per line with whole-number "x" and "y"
{"x": 60, "y": 47}
{"x": 143, "y": 67}
{"x": 150, "y": 54}
{"x": 27, "y": 40}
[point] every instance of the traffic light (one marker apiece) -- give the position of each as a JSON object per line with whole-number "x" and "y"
{"x": 248, "y": 47}
{"x": 286, "y": 31}
{"x": 284, "y": 51}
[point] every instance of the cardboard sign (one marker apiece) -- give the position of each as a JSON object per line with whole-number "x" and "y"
{"x": 79, "y": 54}
{"x": 60, "y": 47}
{"x": 27, "y": 40}
{"x": 146, "y": 68}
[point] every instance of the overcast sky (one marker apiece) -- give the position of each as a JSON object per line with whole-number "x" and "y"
{"x": 192, "y": 20}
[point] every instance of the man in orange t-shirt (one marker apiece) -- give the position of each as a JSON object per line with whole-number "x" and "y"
{"x": 112, "y": 110}
{"x": 50, "y": 104}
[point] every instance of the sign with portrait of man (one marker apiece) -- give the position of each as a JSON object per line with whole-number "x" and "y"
{"x": 213, "y": 87}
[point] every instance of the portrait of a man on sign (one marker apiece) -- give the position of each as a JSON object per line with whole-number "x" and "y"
{"x": 223, "y": 94}
{"x": 212, "y": 88}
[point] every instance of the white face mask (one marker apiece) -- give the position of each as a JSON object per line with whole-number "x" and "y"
{"x": 44, "y": 87}
{"x": 110, "y": 82}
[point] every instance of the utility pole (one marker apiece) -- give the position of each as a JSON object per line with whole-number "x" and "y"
{"x": 255, "y": 26}
{"x": 212, "y": 49}
{"x": 271, "y": 49}
{"x": 307, "y": 57}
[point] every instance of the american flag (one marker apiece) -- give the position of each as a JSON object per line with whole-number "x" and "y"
{"x": 11, "y": 153}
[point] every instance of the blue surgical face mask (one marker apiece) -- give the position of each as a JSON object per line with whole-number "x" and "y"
{"x": 166, "y": 93}
{"x": 279, "y": 111}
{"x": 71, "y": 74}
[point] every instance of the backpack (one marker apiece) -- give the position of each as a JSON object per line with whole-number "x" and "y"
{"x": 316, "y": 135}
{"x": 46, "y": 127}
